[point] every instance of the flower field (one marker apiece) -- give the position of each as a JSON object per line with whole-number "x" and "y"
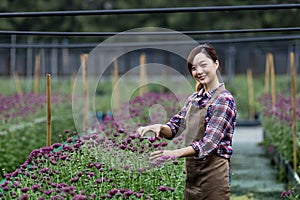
{"x": 23, "y": 126}
{"x": 111, "y": 162}
{"x": 278, "y": 125}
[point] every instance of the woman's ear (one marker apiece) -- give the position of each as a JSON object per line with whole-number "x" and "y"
{"x": 217, "y": 64}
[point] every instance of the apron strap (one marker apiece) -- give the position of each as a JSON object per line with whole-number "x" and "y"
{"x": 215, "y": 95}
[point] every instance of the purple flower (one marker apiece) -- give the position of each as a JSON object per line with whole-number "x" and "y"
{"x": 35, "y": 187}
{"x": 163, "y": 188}
{"x": 93, "y": 196}
{"x": 25, "y": 189}
{"x": 129, "y": 193}
{"x": 24, "y": 197}
{"x": 15, "y": 173}
{"x": 127, "y": 167}
{"x": 163, "y": 144}
{"x": 70, "y": 140}
{"x": 97, "y": 165}
{"x": 152, "y": 139}
{"x": 101, "y": 180}
{"x": 56, "y": 145}
{"x": 44, "y": 170}
{"x": 286, "y": 193}
{"x": 79, "y": 197}
{"x": 139, "y": 195}
{"x": 122, "y": 190}
{"x": 48, "y": 192}
{"x": 113, "y": 192}
{"x": 74, "y": 180}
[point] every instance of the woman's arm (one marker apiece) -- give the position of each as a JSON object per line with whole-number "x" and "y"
{"x": 177, "y": 153}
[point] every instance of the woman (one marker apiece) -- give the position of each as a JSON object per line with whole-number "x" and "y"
{"x": 209, "y": 116}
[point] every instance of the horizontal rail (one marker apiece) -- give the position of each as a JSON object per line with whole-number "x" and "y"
{"x": 46, "y": 33}
{"x": 155, "y": 44}
{"x": 150, "y": 10}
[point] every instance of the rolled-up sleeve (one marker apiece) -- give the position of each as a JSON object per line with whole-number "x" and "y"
{"x": 220, "y": 122}
{"x": 177, "y": 120}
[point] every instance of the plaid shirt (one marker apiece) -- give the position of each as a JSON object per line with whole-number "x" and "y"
{"x": 220, "y": 123}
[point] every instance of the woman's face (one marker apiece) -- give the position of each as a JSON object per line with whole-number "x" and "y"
{"x": 204, "y": 70}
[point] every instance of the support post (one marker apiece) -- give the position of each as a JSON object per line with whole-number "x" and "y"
{"x": 293, "y": 77}
{"x": 48, "y": 98}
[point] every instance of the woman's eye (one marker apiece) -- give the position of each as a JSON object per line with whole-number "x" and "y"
{"x": 193, "y": 68}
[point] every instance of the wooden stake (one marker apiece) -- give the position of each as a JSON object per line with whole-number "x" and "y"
{"x": 73, "y": 80}
{"x": 18, "y": 83}
{"x": 48, "y": 98}
{"x": 37, "y": 74}
{"x": 83, "y": 58}
{"x": 271, "y": 61}
{"x": 267, "y": 75}
{"x": 293, "y": 76}
{"x": 250, "y": 93}
{"x": 115, "y": 86}
{"x": 143, "y": 88}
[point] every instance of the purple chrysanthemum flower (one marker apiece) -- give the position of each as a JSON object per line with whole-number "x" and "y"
{"x": 97, "y": 165}
{"x": 163, "y": 188}
{"x": 24, "y": 197}
{"x": 35, "y": 187}
{"x": 25, "y": 189}
{"x": 139, "y": 195}
{"x": 129, "y": 193}
{"x": 127, "y": 167}
{"x": 152, "y": 139}
{"x": 122, "y": 190}
{"x": 286, "y": 193}
{"x": 56, "y": 145}
{"x": 48, "y": 192}
{"x": 79, "y": 197}
{"x": 74, "y": 180}
{"x": 101, "y": 180}
{"x": 113, "y": 192}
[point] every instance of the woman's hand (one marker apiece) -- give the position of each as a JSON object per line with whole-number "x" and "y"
{"x": 165, "y": 154}
{"x": 156, "y": 128}
{"x": 172, "y": 154}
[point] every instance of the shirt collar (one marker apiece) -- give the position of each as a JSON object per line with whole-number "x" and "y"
{"x": 210, "y": 92}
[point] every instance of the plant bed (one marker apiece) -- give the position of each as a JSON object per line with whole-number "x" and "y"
{"x": 290, "y": 177}
{"x": 278, "y": 139}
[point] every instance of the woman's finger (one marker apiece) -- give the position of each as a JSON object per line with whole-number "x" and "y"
{"x": 155, "y": 153}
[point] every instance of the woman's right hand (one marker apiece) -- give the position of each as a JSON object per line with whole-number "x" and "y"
{"x": 156, "y": 128}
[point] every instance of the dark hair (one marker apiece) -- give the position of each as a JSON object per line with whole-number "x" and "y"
{"x": 205, "y": 48}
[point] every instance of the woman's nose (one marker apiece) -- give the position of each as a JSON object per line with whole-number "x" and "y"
{"x": 199, "y": 70}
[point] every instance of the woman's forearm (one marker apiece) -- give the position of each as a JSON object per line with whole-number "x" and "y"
{"x": 185, "y": 152}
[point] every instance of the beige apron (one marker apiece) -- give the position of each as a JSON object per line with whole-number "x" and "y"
{"x": 207, "y": 178}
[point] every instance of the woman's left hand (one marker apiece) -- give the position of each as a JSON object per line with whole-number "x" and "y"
{"x": 172, "y": 154}
{"x": 166, "y": 154}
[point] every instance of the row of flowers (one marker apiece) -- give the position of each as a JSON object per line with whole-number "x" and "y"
{"x": 277, "y": 122}
{"x": 19, "y": 133}
{"x": 110, "y": 162}
{"x": 16, "y": 109}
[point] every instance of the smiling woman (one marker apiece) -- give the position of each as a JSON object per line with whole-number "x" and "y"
{"x": 209, "y": 118}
